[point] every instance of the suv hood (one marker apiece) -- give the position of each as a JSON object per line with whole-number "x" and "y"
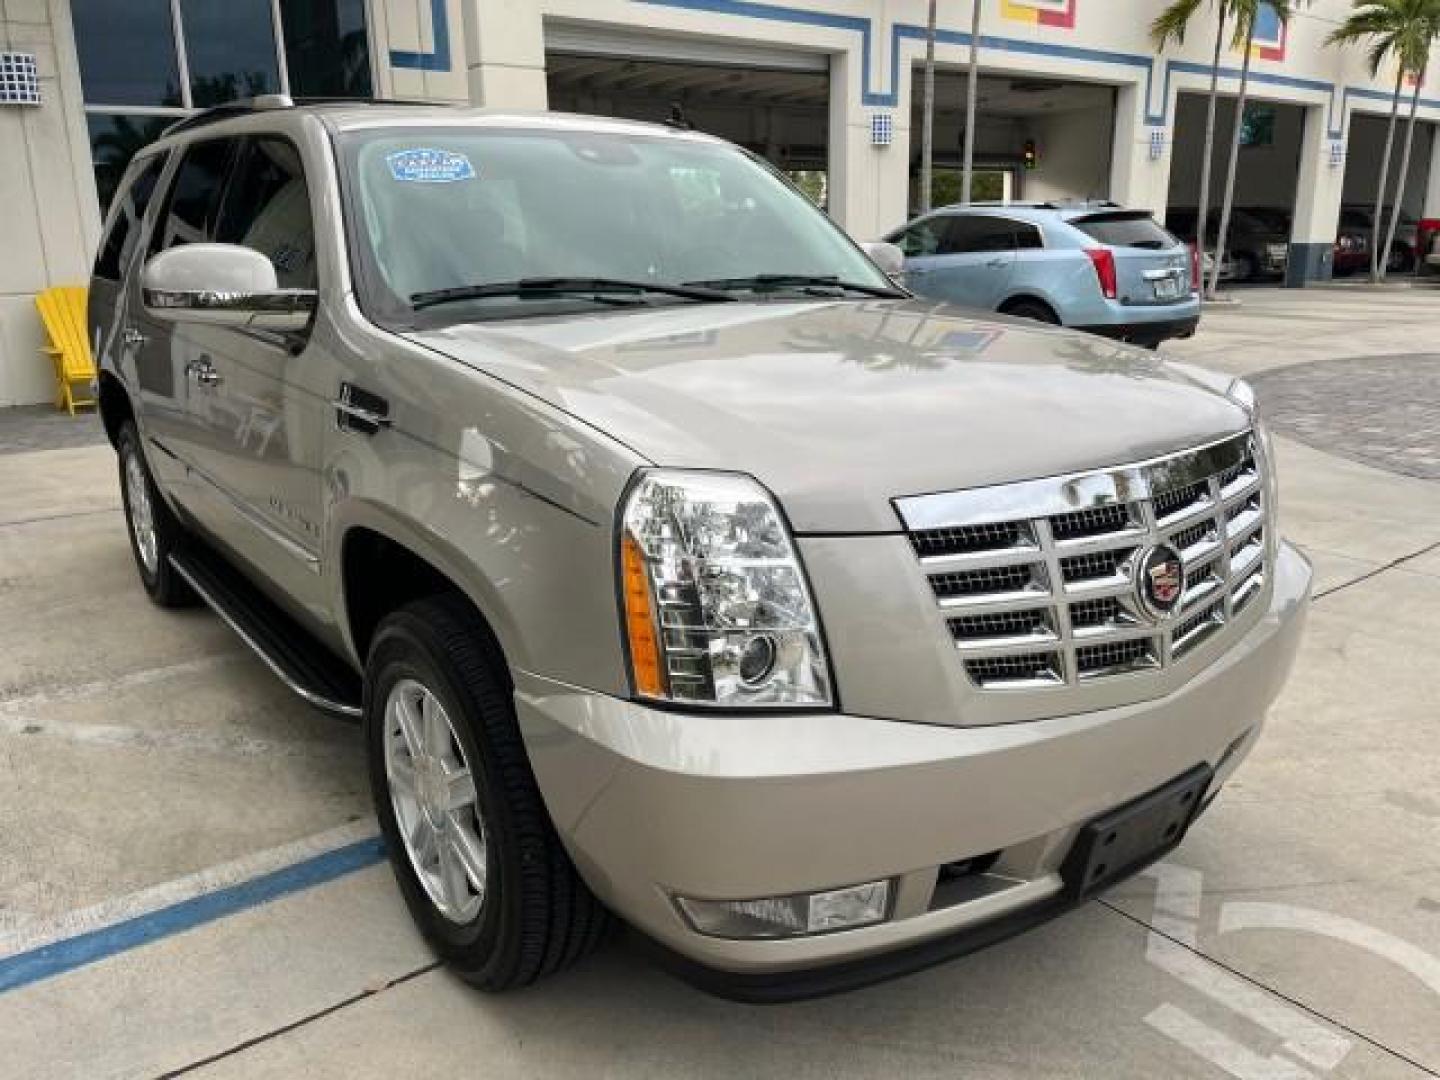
{"x": 838, "y": 407}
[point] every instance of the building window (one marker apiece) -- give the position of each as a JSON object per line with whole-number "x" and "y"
{"x": 114, "y": 139}
{"x": 327, "y": 49}
{"x": 127, "y": 52}
{"x": 229, "y": 50}
{"x": 146, "y": 63}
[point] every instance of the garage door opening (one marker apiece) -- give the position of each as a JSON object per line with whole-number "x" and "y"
{"x": 1036, "y": 139}
{"x": 774, "y": 103}
{"x": 1363, "y": 155}
{"x": 1266, "y": 179}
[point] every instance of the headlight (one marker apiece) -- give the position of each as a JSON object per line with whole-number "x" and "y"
{"x": 716, "y": 608}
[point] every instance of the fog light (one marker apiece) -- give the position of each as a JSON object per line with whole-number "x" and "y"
{"x": 790, "y": 916}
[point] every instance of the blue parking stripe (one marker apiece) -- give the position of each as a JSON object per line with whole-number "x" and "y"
{"x": 59, "y": 957}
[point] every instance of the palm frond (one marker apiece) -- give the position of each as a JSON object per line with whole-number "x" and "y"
{"x": 1171, "y": 24}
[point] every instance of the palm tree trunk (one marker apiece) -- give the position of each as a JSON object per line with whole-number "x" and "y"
{"x": 1384, "y": 180}
{"x": 1404, "y": 174}
{"x": 1229, "y": 197}
{"x": 927, "y": 127}
{"x": 1208, "y": 158}
{"x": 967, "y": 176}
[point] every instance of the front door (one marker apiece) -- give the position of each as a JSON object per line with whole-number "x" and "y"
{"x": 163, "y": 354}
{"x": 973, "y": 265}
{"x": 262, "y": 418}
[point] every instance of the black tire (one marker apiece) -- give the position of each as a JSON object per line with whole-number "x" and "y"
{"x": 536, "y": 916}
{"x": 1032, "y": 309}
{"x": 1401, "y": 260}
{"x": 162, "y": 584}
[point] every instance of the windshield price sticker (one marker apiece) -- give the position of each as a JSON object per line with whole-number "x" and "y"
{"x": 428, "y": 166}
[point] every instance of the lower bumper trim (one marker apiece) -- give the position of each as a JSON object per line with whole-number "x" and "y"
{"x": 1146, "y": 332}
{"x": 778, "y": 987}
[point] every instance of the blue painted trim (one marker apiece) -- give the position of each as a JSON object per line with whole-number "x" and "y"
{"x": 750, "y": 9}
{"x": 439, "y": 59}
{"x": 901, "y": 31}
{"x": 88, "y": 948}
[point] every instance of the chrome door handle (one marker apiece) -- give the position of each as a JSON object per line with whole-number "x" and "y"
{"x": 204, "y": 373}
{"x": 996, "y": 263}
{"x": 133, "y": 337}
{"x": 371, "y": 417}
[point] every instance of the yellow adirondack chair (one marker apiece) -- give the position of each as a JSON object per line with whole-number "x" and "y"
{"x": 62, "y": 309}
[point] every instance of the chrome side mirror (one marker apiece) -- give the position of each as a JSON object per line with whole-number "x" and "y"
{"x": 222, "y": 285}
{"x": 887, "y": 257}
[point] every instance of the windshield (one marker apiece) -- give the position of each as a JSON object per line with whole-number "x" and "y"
{"x": 438, "y": 209}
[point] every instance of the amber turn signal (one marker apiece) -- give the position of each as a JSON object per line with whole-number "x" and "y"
{"x": 640, "y": 620}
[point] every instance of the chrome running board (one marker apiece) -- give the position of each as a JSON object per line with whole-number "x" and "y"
{"x": 310, "y": 670}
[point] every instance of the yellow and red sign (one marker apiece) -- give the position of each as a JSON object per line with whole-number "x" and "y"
{"x": 1270, "y": 35}
{"x": 1057, "y": 13}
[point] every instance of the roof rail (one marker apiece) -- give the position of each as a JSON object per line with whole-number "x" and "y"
{"x": 1079, "y": 204}
{"x": 267, "y": 102}
{"x": 262, "y": 103}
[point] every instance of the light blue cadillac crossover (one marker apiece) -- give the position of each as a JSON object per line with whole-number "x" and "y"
{"x": 1091, "y": 266}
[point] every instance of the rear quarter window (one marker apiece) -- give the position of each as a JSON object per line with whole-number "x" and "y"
{"x": 1126, "y": 230}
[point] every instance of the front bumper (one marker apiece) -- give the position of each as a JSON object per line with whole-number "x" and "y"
{"x": 654, "y": 803}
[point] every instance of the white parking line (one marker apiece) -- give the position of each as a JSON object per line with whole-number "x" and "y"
{"x": 1215, "y": 1046}
{"x": 1253, "y": 915}
{"x": 1303, "y": 1037}
{"x": 21, "y": 935}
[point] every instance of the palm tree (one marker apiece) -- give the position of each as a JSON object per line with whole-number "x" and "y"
{"x": 1170, "y": 25}
{"x": 1405, "y": 30}
{"x": 1246, "y": 14}
{"x": 1404, "y": 167}
{"x": 967, "y": 175}
{"x": 927, "y": 128}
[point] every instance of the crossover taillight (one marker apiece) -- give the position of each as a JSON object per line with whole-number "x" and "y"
{"x": 1195, "y": 283}
{"x": 1104, "y": 260}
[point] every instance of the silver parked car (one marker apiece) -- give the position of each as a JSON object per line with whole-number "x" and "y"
{"x": 1092, "y": 266}
{"x": 678, "y": 565}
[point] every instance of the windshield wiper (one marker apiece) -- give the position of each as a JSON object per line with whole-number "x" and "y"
{"x": 605, "y": 290}
{"x": 774, "y": 282}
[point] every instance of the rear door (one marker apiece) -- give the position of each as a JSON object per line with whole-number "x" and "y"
{"x": 1151, "y": 266}
{"x": 972, "y": 265}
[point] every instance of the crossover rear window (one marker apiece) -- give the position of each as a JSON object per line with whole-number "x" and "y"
{"x": 1128, "y": 229}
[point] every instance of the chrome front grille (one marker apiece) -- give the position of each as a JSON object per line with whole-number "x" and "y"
{"x": 1035, "y": 582}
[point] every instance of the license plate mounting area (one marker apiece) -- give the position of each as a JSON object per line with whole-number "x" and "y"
{"x": 1125, "y": 840}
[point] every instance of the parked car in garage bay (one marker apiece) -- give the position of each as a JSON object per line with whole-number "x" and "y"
{"x": 1361, "y": 219}
{"x": 1352, "y": 243}
{"x": 1093, "y": 266}
{"x": 1258, "y": 243}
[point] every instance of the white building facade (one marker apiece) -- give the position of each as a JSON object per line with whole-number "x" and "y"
{"x": 1074, "y": 102}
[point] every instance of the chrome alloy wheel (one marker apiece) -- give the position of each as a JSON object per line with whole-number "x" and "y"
{"x": 436, "y": 807}
{"x": 142, "y": 514}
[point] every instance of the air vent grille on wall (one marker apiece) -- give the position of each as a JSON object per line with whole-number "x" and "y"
{"x": 19, "y": 79}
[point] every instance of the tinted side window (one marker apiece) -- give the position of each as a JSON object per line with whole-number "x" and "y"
{"x": 1028, "y": 237}
{"x": 965, "y": 234}
{"x": 195, "y": 195}
{"x": 119, "y": 240}
{"x": 922, "y": 238}
{"x": 267, "y": 207}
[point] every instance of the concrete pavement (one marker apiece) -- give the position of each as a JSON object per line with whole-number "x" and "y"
{"x": 1296, "y": 933}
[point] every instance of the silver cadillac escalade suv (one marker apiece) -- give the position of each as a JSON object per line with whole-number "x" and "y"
{"x": 678, "y": 565}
